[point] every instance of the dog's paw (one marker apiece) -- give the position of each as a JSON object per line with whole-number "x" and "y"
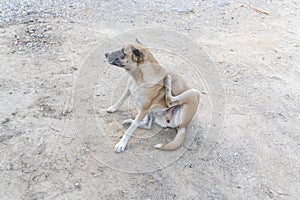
{"x": 127, "y": 122}
{"x": 159, "y": 146}
{"x": 120, "y": 146}
{"x": 111, "y": 109}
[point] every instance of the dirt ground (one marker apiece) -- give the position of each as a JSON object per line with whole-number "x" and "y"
{"x": 44, "y": 47}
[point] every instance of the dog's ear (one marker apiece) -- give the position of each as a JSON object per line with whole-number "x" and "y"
{"x": 138, "y": 41}
{"x": 137, "y": 52}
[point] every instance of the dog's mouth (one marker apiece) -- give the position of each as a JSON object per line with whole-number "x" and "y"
{"x": 114, "y": 58}
{"x": 116, "y": 63}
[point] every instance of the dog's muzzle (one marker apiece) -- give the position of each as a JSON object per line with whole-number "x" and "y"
{"x": 114, "y": 58}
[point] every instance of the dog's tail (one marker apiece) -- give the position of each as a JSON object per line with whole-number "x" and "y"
{"x": 175, "y": 144}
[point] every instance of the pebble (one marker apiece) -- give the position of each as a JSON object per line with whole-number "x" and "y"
{"x": 77, "y": 185}
{"x": 223, "y": 4}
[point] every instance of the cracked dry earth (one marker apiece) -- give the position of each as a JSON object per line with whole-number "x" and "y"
{"x": 43, "y": 48}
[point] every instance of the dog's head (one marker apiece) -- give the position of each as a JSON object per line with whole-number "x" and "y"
{"x": 129, "y": 57}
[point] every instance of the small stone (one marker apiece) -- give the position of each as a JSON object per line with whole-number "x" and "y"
{"x": 77, "y": 185}
{"x": 29, "y": 12}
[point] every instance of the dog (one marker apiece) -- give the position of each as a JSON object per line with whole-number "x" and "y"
{"x": 162, "y": 97}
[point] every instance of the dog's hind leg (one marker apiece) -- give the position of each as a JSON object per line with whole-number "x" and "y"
{"x": 145, "y": 124}
{"x": 188, "y": 101}
{"x": 187, "y": 96}
{"x": 176, "y": 143}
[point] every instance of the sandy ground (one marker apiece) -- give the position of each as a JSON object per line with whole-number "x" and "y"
{"x": 45, "y": 154}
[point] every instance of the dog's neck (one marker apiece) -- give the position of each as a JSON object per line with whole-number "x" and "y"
{"x": 135, "y": 74}
{"x": 145, "y": 73}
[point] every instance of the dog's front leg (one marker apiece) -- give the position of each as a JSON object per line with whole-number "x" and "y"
{"x": 121, "y": 145}
{"x": 118, "y": 104}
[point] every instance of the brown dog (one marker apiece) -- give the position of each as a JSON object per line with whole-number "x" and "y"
{"x": 162, "y": 97}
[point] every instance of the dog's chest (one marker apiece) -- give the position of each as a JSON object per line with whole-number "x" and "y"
{"x": 146, "y": 94}
{"x": 139, "y": 94}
